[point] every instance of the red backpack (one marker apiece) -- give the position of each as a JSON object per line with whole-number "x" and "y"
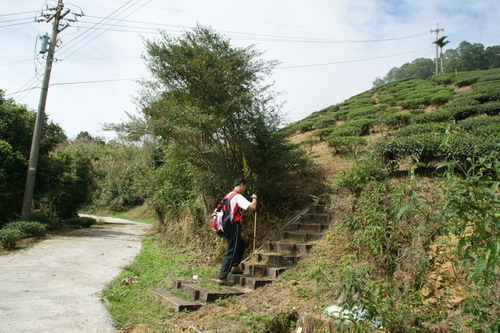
{"x": 221, "y": 217}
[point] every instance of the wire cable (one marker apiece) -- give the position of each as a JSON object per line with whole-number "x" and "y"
{"x": 93, "y": 81}
{"x": 15, "y": 24}
{"x": 356, "y": 60}
{"x": 272, "y": 38}
{"x": 11, "y": 14}
{"x": 34, "y": 78}
{"x": 90, "y": 32}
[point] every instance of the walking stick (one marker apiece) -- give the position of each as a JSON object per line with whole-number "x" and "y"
{"x": 254, "y": 235}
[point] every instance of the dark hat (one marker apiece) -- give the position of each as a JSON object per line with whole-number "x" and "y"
{"x": 239, "y": 181}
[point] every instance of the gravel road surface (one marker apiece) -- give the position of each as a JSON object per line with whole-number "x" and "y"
{"x": 55, "y": 285}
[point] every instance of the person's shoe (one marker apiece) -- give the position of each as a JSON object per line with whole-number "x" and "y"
{"x": 236, "y": 270}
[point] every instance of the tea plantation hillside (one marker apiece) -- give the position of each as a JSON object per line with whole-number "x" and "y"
{"x": 409, "y": 118}
{"x": 414, "y": 238}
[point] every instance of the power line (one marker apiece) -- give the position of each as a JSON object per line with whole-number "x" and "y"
{"x": 19, "y": 19}
{"x": 15, "y": 24}
{"x": 256, "y": 36}
{"x": 349, "y": 61}
{"x": 93, "y": 81}
{"x": 19, "y": 91}
{"x": 74, "y": 82}
{"x": 15, "y": 62}
{"x": 100, "y": 23}
{"x": 34, "y": 78}
{"x": 11, "y": 14}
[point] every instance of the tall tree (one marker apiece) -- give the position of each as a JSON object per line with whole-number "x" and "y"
{"x": 210, "y": 104}
{"x": 441, "y": 42}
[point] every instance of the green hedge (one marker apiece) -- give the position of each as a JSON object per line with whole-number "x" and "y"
{"x": 10, "y": 237}
{"x": 426, "y": 147}
{"x": 420, "y": 129}
{"x": 466, "y": 82}
{"x": 324, "y": 132}
{"x": 80, "y": 222}
{"x": 397, "y": 120}
{"x": 346, "y": 144}
{"x": 363, "y": 112}
{"x": 434, "y": 117}
{"x": 27, "y": 228}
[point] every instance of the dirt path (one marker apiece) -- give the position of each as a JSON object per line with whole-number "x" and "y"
{"x": 55, "y": 285}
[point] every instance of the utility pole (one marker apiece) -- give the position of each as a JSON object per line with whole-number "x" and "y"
{"x": 436, "y": 42}
{"x": 40, "y": 116}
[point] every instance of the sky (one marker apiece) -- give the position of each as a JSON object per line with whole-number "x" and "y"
{"x": 328, "y": 50}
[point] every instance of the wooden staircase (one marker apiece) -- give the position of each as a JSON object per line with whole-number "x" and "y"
{"x": 262, "y": 267}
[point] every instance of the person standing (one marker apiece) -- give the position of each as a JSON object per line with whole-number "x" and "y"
{"x": 235, "y": 244}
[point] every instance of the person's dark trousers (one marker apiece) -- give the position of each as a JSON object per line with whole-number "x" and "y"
{"x": 234, "y": 252}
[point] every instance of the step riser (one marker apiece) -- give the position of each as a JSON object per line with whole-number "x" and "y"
{"x": 259, "y": 270}
{"x": 315, "y": 218}
{"x": 248, "y": 282}
{"x": 202, "y": 294}
{"x": 173, "y": 301}
{"x": 299, "y": 237}
{"x": 317, "y": 209}
{"x": 290, "y": 248}
{"x": 279, "y": 260}
{"x": 305, "y": 227}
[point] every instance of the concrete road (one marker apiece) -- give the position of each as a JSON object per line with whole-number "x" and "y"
{"x": 55, "y": 285}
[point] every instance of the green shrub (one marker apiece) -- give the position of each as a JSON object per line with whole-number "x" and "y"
{"x": 487, "y": 130}
{"x": 324, "y": 132}
{"x": 325, "y": 121}
{"x": 466, "y": 82}
{"x": 435, "y": 116}
{"x": 358, "y": 176}
{"x": 493, "y": 96}
{"x": 443, "y": 78}
{"x": 471, "y": 123}
{"x": 356, "y": 127}
{"x": 441, "y": 97}
{"x": 305, "y": 126}
{"x": 463, "y": 112}
{"x": 420, "y": 129}
{"x": 424, "y": 147}
{"x": 346, "y": 144}
{"x": 9, "y": 238}
{"x": 345, "y": 130}
{"x": 417, "y": 111}
{"x": 397, "y": 120}
{"x": 46, "y": 217}
{"x": 27, "y": 229}
{"x": 490, "y": 108}
{"x": 462, "y": 148}
{"x": 363, "y": 112}
{"x": 80, "y": 222}
{"x": 415, "y": 103}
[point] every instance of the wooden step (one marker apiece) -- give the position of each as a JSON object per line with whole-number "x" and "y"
{"x": 308, "y": 227}
{"x": 262, "y": 270}
{"x": 299, "y": 236}
{"x": 249, "y": 281}
{"x": 174, "y": 301}
{"x": 205, "y": 295}
{"x": 277, "y": 259}
{"x": 315, "y": 218}
{"x": 317, "y": 209}
{"x": 287, "y": 247}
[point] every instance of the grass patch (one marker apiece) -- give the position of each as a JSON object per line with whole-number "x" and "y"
{"x": 155, "y": 267}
